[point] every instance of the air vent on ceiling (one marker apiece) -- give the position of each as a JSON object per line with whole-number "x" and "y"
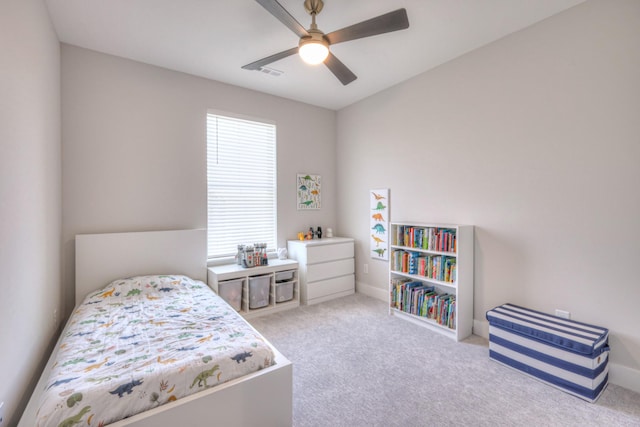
{"x": 271, "y": 71}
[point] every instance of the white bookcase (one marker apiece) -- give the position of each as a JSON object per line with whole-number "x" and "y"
{"x": 231, "y": 272}
{"x": 429, "y": 264}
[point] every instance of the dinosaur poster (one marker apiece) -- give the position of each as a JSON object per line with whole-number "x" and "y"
{"x": 308, "y": 191}
{"x": 379, "y": 223}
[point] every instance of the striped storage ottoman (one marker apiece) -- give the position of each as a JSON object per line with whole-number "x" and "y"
{"x": 569, "y": 355}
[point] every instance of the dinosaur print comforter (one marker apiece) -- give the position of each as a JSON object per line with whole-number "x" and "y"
{"x": 143, "y": 342}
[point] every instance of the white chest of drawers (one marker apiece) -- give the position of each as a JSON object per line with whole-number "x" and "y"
{"x": 326, "y": 268}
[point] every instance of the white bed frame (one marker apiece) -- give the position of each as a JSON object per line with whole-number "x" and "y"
{"x": 263, "y": 398}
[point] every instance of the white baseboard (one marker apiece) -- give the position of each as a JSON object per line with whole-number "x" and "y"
{"x": 619, "y": 375}
{"x": 481, "y": 328}
{"x": 373, "y": 292}
{"x": 624, "y": 377}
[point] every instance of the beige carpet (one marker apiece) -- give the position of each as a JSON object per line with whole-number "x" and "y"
{"x": 354, "y": 365}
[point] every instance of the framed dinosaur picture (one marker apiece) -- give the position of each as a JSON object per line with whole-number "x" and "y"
{"x": 379, "y": 223}
{"x": 308, "y": 190}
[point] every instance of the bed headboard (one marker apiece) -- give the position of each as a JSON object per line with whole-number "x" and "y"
{"x": 102, "y": 258}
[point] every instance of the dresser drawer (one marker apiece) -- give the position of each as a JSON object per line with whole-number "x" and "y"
{"x": 323, "y": 253}
{"x": 327, "y": 270}
{"x": 331, "y": 286}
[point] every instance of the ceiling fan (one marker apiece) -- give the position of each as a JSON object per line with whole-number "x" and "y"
{"x": 314, "y": 44}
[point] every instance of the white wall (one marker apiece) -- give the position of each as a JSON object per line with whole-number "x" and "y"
{"x": 134, "y": 149}
{"x": 30, "y": 191}
{"x": 540, "y": 129}
{"x": 535, "y": 140}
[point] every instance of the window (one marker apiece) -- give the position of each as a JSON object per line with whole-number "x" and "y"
{"x": 241, "y": 184}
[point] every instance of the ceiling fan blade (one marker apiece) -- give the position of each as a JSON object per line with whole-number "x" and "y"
{"x": 340, "y": 70}
{"x": 392, "y": 21}
{"x": 276, "y": 9}
{"x": 257, "y": 65}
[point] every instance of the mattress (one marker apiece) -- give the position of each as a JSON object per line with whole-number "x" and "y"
{"x": 143, "y": 342}
{"x": 566, "y": 354}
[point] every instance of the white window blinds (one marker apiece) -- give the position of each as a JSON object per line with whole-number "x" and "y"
{"x": 241, "y": 183}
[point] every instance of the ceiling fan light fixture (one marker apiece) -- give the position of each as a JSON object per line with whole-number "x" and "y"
{"x": 314, "y": 49}
{"x": 313, "y": 46}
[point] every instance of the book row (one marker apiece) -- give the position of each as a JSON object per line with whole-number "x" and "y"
{"x": 427, "y": 238}
{"x": 416, "y": 298}
{"x": 438, "y": 267}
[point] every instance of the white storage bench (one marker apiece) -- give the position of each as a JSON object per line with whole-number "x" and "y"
{"x": 262, "y": 290}
{"x": 566, "y": 354}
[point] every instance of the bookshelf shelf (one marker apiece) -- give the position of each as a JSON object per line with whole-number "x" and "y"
{"x": 425, "y": 279}
{"x": 431, "y": 276}
{"x": 424, "y": 251}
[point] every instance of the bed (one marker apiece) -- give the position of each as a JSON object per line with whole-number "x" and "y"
{"x": 115, "y": 269}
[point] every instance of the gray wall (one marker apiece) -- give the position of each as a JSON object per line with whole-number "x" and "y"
{"x": 30, "y": 197}
{"x": 535, "y": 140}
{"x": 134, "y": 149}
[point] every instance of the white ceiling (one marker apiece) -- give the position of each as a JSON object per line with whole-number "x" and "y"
{"x": 214, "y": 38}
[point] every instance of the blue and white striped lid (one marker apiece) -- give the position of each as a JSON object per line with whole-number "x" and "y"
{"x": 574, "y": 336}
